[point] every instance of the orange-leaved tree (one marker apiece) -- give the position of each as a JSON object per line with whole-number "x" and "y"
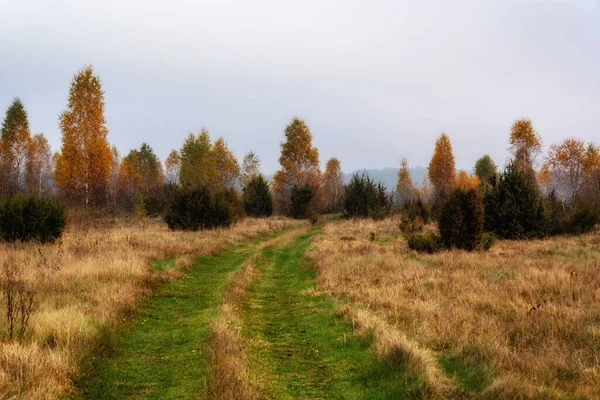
{"x": 525, "y": 145}
{"x": 567, "y": 162}
{"x": 299, "y": 162}
{"x": 333, "y": 185}
{"x": 172, "y": 165}
{"x": 227, "y": 165}
{"x": 544, "y": 179}
{"x": 83, "y": 166}
{"x": 441, "y": 167}
{"x": 466, "y": 182}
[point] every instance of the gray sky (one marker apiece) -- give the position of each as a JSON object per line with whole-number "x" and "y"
{"x": 374, "y": 80}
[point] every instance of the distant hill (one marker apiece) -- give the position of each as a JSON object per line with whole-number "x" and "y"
{"x": 388, "y": 176}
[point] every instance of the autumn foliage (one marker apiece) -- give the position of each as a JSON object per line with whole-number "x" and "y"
{"x": 404, "y": 187}
{"x": 299, "y": 162}
{"x": 333, "y": 185}
{"x": 83, "y": 166}
{"x": 441, "y": 167}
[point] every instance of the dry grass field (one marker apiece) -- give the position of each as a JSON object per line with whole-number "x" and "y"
{"x": 85, "y": 283}
{"x": 519, "y": 321}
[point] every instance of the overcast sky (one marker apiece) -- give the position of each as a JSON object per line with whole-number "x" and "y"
{"x": 374, "y": 80}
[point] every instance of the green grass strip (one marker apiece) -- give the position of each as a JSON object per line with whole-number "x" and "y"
{"x": 301, "y": 348}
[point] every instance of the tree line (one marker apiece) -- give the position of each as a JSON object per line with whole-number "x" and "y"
{"x": 88, "y": 172}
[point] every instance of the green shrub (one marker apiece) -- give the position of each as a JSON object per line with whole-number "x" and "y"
{"x": 157, "y": 202}
{"x": 28, "y": 218}
{"x": 583, "y": 220}
{"x": 257, "y": 198}
{"x": 413, "y": 216}
{"x": 363, "y": 198}
{"x": 487, "y": 241}
{"x": 301, "y": 197}
{"x": 557, "y": 217}
{"x": 513, "y": 207}
{"x": 194, "y": 209}
{"x": 461, "y": 220}
{"x": 424, "y": 243}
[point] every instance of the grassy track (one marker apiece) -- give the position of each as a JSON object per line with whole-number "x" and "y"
{"x": 162, "y": 355}
{"x": 297, "y": 345}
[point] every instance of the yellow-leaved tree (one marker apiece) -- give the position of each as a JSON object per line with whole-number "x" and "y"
{"x": 227, "y": 165}
{"x": 333, "y": 185}
{"x": 525, "y": 145}
{"x": 405, "y": 188}
{"x": 567, "y": 163}
{"x": 441, "y": 167}
{"x": 198, "y": 164}
{"x": 299, "y": 162}
{"x": 83, "y": 166}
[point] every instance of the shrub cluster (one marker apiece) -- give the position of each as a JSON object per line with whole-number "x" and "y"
{"x": 257, "y": 198}
{"x": 301, "y": 197}
{"x": 194, "y": 209}
{"x": 560, "y": 220}
{"x": 424, "y": 242}
{"x": 365, "y": 199}
{"x": 28, "y": 218}
{"x": 461, "y": 220}
{"x": 513, "y": 207}
{"x": 413, "y": 216}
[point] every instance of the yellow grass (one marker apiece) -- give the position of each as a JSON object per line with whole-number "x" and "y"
{"x": 85, "y": 283}
{"x": 510, "y": 310}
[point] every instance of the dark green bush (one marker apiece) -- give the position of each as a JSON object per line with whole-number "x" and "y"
{"x": 424, "y": 243}
{"x": 28, "y": 218}
{"x": 157, "y": 202}
{"x": 583, "y": 220}
{"x": 363, "y": 198}
{"x": 461, "y": 220}
{"x": 257, "y": 198}
{"x": 413, "y": 216}
{"x": 513, "y": 207}
{"x": 301, "y": 197}
{"x": 194, "y": 209}
{"x": 557, "y": 217}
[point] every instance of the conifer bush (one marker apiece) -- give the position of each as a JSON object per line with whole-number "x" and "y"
{"x": 31, "y": 218}
{"x": 301, "y": 197}
{"x": 413, "y": 216}
{"x": 513, "y": 207}
{"x": 424, "y": 242}
{"x": 365, "y": 199}
{"x": 461, "y": 220}
{"x": 583, "y": 220}
{"x": 198, "y": 209}
{"x": 257, "y": 198}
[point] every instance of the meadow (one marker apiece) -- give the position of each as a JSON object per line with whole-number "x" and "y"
{"x": 275, "y": 308}
{"x": 87, "y": 283}
{"x": 518, "y": 321}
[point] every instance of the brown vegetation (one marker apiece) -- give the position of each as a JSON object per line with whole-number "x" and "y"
{"x": 517, "y": 312}
{"x": 84, "y": 284}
